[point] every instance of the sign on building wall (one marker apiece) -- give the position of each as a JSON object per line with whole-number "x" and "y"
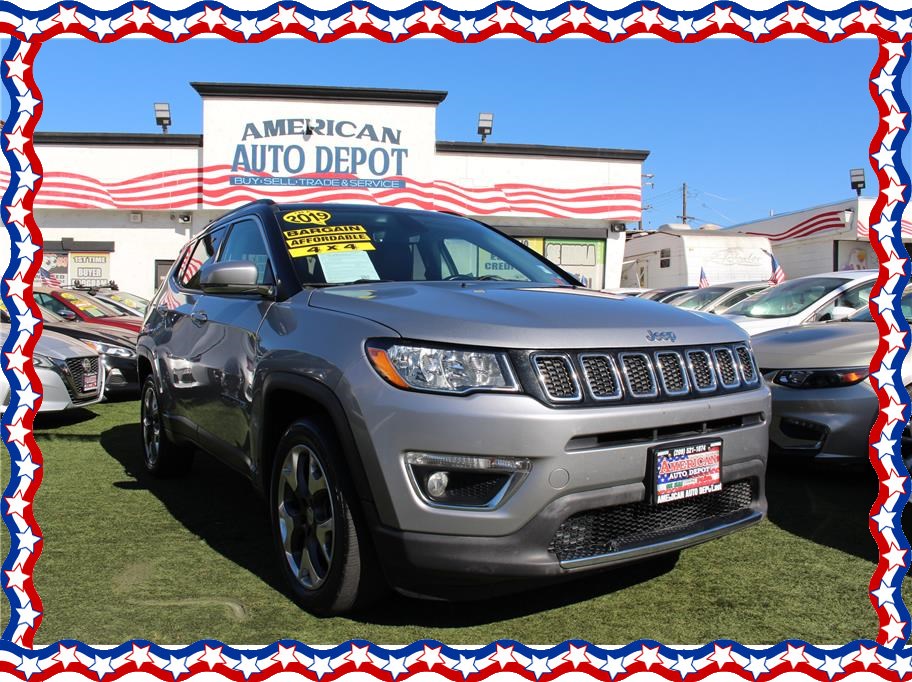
{"x": 86, "y": 268}
{"x": 582, "y": 258}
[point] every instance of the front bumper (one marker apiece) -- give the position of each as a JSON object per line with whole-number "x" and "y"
{"x": 122, "y": 376}
{"x": 822, "y": 423}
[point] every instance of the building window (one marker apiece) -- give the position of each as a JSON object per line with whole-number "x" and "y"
{"x": 665, "y": 258}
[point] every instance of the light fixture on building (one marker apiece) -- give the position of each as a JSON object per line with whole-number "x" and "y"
{"x": 618, "y": 227}
{"x": 857, "y": 178}
{"x": 136, "y": 218}
{"x": 184, "y": 218}
{"x": 162, "y": 115}
{"x": 847, "y": 216}
{"x": 485, "y": 125}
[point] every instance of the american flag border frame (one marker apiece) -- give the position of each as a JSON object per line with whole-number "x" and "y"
{"x": 28, "y": 29}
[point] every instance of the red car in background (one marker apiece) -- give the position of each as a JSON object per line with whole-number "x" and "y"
{"x": 77, "y": 305}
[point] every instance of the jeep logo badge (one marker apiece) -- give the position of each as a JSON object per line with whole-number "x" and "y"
{"x": 660, "y": 336}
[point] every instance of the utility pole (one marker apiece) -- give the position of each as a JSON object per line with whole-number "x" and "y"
{"x": 684, "y": 203}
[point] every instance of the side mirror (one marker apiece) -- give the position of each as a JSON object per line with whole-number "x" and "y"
{"x": 233, "y": 277}
{"x": 67, "y": 315}
{"x": 841, "y": 312}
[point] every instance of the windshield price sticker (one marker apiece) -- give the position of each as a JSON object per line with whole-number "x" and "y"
{"x": 684, "y": 471}
{"x": 312, "y": 241}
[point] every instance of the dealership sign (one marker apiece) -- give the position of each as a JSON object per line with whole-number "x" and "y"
{"x": 275, "y": 152}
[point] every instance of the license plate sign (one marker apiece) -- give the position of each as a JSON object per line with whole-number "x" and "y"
{"x": 89, "y": 382}
{"x": 687, "y": 470}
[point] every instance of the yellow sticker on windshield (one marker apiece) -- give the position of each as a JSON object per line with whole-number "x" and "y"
{"x": 312, "y": 241}
{"x": 307, "y": 216}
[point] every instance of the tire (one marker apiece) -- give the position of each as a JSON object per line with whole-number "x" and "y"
{"x": 320, "y": 540}
{"x": 162, "y": 456}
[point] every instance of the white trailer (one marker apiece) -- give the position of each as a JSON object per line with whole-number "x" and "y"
{"x": 674, "y": 255}
{"x": 823, "y": 238}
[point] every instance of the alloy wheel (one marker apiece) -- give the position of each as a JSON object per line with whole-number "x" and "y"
{"x": 151, "y": 426}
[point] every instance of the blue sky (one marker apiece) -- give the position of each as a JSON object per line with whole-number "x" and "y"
{"x": 749, "y": 128}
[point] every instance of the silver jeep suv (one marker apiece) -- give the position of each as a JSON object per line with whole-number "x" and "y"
{"x": 427, "y": 404}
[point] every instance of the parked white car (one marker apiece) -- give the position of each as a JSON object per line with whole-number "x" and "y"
{"x": 69, "y": 371}
{"x": 815, "y": 298}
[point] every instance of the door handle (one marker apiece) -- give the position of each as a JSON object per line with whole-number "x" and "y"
{"x": 199, "y": 317}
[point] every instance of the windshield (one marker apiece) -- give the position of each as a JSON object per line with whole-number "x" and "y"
{"x": 864, "y": 314}
{"x": 349, "y": 244}
{"x": 788, "y": 298}
{"x": 90, "y": 307}
{"x": 701, "y": 297}
{"x": 128, "y": 301}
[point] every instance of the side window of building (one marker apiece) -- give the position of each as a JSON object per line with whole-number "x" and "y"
{"x": 200, "y": 254}
{"x": 665, "y": 258}
{"x": 245, "y": 243}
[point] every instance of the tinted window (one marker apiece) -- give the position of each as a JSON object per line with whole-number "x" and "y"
{"x": 197, "y": 256}
{"x": 245, "y": 243}
{"x": 788, "y": 298}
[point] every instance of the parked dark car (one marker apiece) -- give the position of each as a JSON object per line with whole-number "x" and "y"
{"x": 666, "y": 294}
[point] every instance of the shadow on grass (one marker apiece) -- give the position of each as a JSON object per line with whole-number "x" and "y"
{"x": 55, "y": 420}
{"x": 220, "y": 507}
{"x": 825, "y": 503}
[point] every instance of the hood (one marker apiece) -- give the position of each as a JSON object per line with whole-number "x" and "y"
{"x": 94, "y": 332}
{"x": 511, "y": 316}
{"x": 826, "y": 345}
{"x": 124, "y": 322}
{"x": 60, "y": 347}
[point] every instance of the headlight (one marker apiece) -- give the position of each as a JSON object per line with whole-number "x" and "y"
{"x": 445, "y": 370}
{"x": 817, "y": 378}
{"x": 110, "y": 349}
{"x": 39, "y": 360}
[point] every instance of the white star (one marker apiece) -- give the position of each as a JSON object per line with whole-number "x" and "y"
{"x": 26, "y": 248}
{"x": 504, "y": 655}
{"x": 866, "y": 17}
{"x": 721, "y": 655}
{"x": 503, "y": 17}
{"x": 884, "y": 82}
{"x": 538, "y": 27}
{"x": 28, "y": 27}
{"x": 16, "y": 504}
{"x": 101, "y": 666}
{"x": 27, "y": 540}
{"x": 893, "y": 630}
{"x": 18, "y": 213}
{"x": 27, "y": 396}
{"x": 884, "y": 593}
{"x": 65, "y": 655}
{"x": 16, "y": 578}
{"x": 895, "y": 338}
{"x": 140, "y": 655}
{"x": 27, "y": 467}
{"x": 359, "y": 655}
{"x": 721, "y": 17}
{"x": 27, "y": 102}
{"x": 757, "y": 27}
{"x": 395, "y": 667}
{"x": 177, "y": 27}
{"x": 895, "y": 483}
{"x": 649, "y": 656}
{"x": 290, "y": 16}
{"x": 902, "y": 26}
{"x": 539, "y": 666}
{"x": 431, "y": 657}
{"x": 321, "y": 27}
{"x": 894, "y": 412}
{"x": 894, "y": 49}
{"x": 614, "y": 666}
{"x": 248, "y": 665}
{"x": 101, "y": 27}
{"x": 895, "y": 120}
{"x": 396, "y": 27}
{"x": 466, "y": 27}
{"x": 684, "y": 26}
{"x": 140, "y": 17}
{"x": 649, "y": 17}
{"x": 28, "y": 615}
{"x": 16, "y": 360}
{"x": 614, "y": 27}
{"x": 466, "y": 666}
{"x": 27, "y": 178}
{"x": 883, "y": 301}
{"x": 895, "y": 557}
{"x": 884, "y": 157}
{"x": 832, "y": 27}
{"x": 212, "y": 18}
{"x": 16, "y": 67}
{"x": 577, "y": 655}
{"x": 431, "y": 18}
{"x": 213, "y": 656}
{"x": 757, "y": 666}
{"x": 576, "y": 16}
{"x": 29, "y": 666}
{"x": 321, "y": 667}
{"x": 884, "y": 446}
{"x": 28, "y": 321}
{"x": 883, "y": 519}
{"x": 285, "y": 655}
{"x": 247, "y": 27}
{"x": 16, "y": 141}
{"x": 66, "y": 16}
{"x": 901, "y": 665}
{"x": 794, "y": 16}
{"x": 894, "y": 192}
{"x": 16, "y": 287}
{"x": 684, "y": 666}
{"x": 832, "y": 666}
{"x": 884, "y": 228}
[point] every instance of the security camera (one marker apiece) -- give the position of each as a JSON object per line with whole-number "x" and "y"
{"x": 184, "y": 218}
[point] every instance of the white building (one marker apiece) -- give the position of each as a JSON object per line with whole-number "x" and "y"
{"x": 119, "y": 206}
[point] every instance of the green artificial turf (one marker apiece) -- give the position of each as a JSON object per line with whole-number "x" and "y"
{"x": 128, "y": 556}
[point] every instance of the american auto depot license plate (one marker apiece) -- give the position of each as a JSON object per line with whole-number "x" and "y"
{"x": 89, "y": 382}
{"x": 687, "y": 470}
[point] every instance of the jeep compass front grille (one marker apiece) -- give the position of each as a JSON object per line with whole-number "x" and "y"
{"x": 600, "y": 532}
{"x": 595, "y": 377}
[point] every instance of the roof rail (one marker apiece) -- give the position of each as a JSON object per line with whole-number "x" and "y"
{"x": 249, "y": 204}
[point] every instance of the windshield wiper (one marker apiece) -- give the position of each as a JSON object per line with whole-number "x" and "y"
{"x": 323, "y": 285}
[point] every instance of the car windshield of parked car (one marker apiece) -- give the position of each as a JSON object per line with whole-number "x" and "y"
{"x": 864, "y": 314}
{"x": 700, "y": 298}
{"x": 352, "y": 244}
{"x": 788, "y": 298}
{"x": 88, "y": 306}
{"x": 132, "y": 302}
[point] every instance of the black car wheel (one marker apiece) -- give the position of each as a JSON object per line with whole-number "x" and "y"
{"x": 322, "y": 545}
{"x": 162, "y": 456}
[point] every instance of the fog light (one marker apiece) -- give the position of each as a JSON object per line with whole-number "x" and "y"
{"x": 437, "y": 483}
